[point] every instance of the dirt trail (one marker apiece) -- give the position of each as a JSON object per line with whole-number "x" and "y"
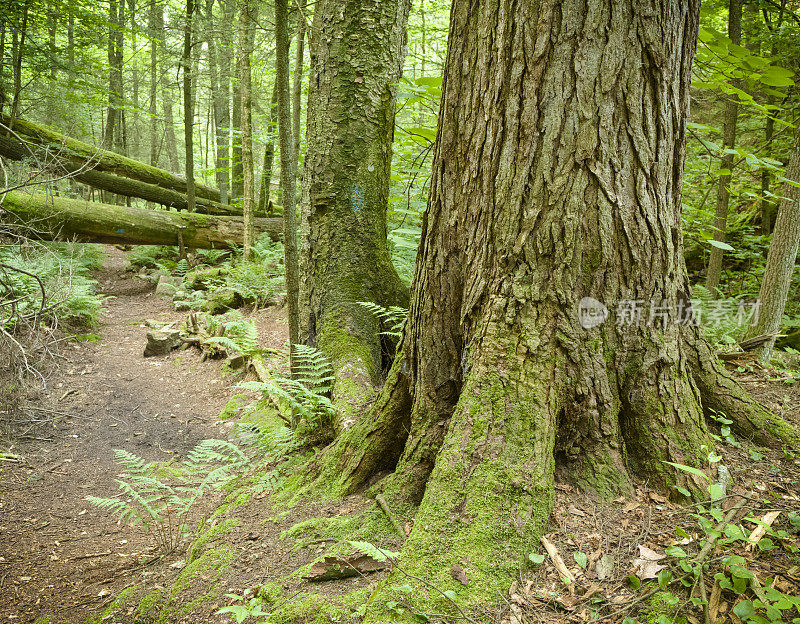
{"x": 58, "y": 554}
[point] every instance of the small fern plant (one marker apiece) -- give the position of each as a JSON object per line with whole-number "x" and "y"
{"x": 238, "y": 333}
{"x": 158, "y": 495}
{"x": 308, "y": 394}
{"x": 391, "y": 318}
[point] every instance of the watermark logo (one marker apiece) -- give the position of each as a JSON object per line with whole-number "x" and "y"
{"x": 591, "y": 313}
{"x": 659, "y": 313}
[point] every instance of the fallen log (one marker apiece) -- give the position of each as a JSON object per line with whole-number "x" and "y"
{"x": 14, "y": 150}
{"x": 59, "y": 218}
{"x": 78, "y": 152}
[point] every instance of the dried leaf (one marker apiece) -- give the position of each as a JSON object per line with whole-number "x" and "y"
{"x": 649, "y": 555}
{"x": 576, "y": 512}
{"x": 647, "y": 569}
{"x": 604, "y": 567}
{"x": 458, "y": 574}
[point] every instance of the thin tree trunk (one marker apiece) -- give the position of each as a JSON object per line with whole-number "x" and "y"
{"x": 781, "y": 257}
{"x": 134, "y": 118}
{"x": 221, "y": 113}
{"x": 113, "y": 124}
{"x": 246, "y": 35}
{"x": 2, "y": 66}
{"x": 166, "y": 93}
{"x": 728, "y": 142}
{"x": 269, "y": 151}
{"x": 152, "y": 108}
{"x": 298, "y": 82}
{"x": 17, "y": 53}
{"x": 188, "y": 103}
{"x": 236, "y": 141}
{"x": 288, "y": 163}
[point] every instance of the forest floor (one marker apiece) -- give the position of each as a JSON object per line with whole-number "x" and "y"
{"x": 62, "y": 557}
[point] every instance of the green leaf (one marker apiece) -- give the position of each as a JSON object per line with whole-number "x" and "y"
{"x": 634, "y": 581}
{"x": 676, "y": 551}
{"x": 720, "y": 245}
{"x": 690, "y": 469}
{"x": 744, "y": 610}
{"x": 716, "y": 491}
{"x": 450, "y": 594}
{"x": 581, "y": 559}
{"x": 536, "y": 558}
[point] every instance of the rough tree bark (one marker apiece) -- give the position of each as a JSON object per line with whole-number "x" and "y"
{"x": 92, "y": 222}
{"x": 781, "y": 257}
{"x": 728, "y": 141}
{"x": 357, "y": 52}
{"x": 556, "y": 185}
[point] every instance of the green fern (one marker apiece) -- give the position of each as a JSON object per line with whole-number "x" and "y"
{"x": 149, "y": 499}
{"x": 238, "y": 333}
{"x": 378, "y": 554}
{"x": 391, "y": 318}
{"x": 307, "y": 394}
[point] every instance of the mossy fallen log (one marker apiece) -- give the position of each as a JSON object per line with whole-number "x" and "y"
{"x": 58, "y": 218}
{"x": 77, "y": 152}
{"x": 12, "y": 149}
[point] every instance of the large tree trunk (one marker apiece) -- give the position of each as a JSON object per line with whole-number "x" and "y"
{"x": 726, "y": 164}
{"x": 781, "y": 257}
{"x": 357, "y": 54}
{"x": 556, "y": 185}
{"x": 59, "y": 218}
{"x": 81, "y": 153}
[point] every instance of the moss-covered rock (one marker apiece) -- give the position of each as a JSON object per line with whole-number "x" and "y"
{"x": 222, "y": 300}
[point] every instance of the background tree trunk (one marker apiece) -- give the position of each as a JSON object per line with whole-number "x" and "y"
{"x": 219, "y": 97}
{"x": 166, "y": 93}
{"x": 554, "y": 210}
{"x": 246, "y": 35}
{"x": 269, "y": 150}
{"x": 781, "y": 257}
{"x": 728, "y": 141}
{"x": 358, "y": 51}
{"x": 188, "y": 102}
{"x": 288, "y": 163}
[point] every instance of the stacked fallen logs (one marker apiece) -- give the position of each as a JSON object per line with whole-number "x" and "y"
{"x": 106, "y": 170}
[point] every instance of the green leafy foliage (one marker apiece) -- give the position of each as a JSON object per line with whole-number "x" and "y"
{"x": 308, "y": 393}
{"x": 63, "y": 272}
{"x": 392, "y": 318}
{"x": 158, "y": 495}
{"x": 239, "y": 334}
